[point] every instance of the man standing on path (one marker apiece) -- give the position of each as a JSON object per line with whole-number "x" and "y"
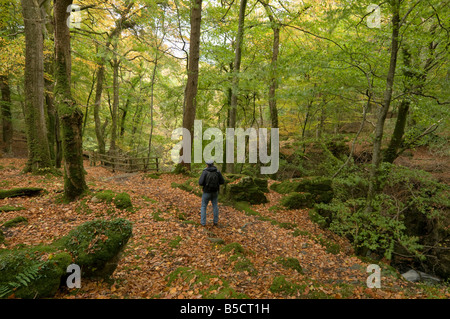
{"x": 210, "y": 179}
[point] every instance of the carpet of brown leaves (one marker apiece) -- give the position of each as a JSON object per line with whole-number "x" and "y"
{"x": 163, "y": 214}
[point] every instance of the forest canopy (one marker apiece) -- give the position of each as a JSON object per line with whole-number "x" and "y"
{"x": 307, "y": 67}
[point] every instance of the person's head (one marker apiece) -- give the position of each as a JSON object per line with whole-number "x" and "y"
{"x": 209, "y": 163}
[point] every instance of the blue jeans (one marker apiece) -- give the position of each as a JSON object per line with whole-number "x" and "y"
{"x": 206, "y": 197}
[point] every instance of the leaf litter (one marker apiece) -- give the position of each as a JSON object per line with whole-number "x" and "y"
{"x": 172, "y": 256}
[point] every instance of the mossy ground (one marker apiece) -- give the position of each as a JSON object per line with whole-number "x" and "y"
{"x": 120, "y": 200}
{"x": 15, "y": 221}
{"x": 207, "y": 285}
{"x": 9, "y": 208}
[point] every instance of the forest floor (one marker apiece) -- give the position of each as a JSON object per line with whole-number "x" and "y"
{"x": 170, "y": 255}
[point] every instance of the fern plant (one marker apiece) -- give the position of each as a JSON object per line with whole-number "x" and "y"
{"x": 22, "y": 279}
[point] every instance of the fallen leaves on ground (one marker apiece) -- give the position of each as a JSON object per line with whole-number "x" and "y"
{"x": 167, "y": 237}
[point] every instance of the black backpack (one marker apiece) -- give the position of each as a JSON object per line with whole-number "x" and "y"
{"x": 212, "y": 182}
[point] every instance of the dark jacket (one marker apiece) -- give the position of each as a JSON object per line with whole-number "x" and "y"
{"x": 202, "y": 181}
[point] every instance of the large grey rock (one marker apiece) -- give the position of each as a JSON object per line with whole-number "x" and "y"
{"x": 418, "y": 276}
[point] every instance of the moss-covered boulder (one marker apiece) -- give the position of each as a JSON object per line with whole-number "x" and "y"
{"x": 319, "y": 187}
{"x": 120, "y": 200}
{"x": 32, "y": 272}
{"x": 284, "y": 187}
{"x": 38, "y": 271}
{"x": 247, "y": 190}
{"x": 298, "y": 200}
{"x": 123, "y": 201}
{"x": 96, "y": 245}
{"x": 262, "y": 184}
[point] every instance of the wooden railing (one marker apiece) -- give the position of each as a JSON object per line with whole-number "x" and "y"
{"x": 124, "y": 163}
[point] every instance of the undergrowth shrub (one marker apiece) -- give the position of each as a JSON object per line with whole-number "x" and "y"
{"x": 408, "y": 197}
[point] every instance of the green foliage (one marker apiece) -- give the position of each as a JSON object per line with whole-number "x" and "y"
{"x": 32, "y": 271}
{"x": 248, "y": 189}
{"x": 318, "y": 188}
{"x": 22, "y": 279}
{"x": 318, "y": 218}
{"x": 407, "y": 195}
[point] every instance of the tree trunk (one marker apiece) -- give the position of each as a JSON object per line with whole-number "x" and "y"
{"x": 115, "y": 107}
{"x": 120, "y": 24}
{"x": 97, "y": 104}
{"x": 415, "y": 79}
{"x": 236, "y": 70}
{"x": 38, "y": 148}
{"x": 88, "y": 101}
{"x": 54, "y": 139}
{"x": 192, "y": 80}
{"x": 397, "y": 137}
{"x": 374, "y": 182}
{"x": 6, "y": 114}
{"x": 123, "y": 118}
{"x": 152, "y": 90}
{"x": 70, "y": 115}
{"x": 273, "y": 72}
{"x": 273, "y": 80}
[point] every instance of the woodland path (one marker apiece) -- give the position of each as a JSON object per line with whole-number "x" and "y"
{"x": 167, "y": 235}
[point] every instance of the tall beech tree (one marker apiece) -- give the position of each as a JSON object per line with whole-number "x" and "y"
{"x": 236, "y": 70}
{"x": 70, "y": 114}
{"x": 190, "y": 93}
{"x": 35, "y": 118}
